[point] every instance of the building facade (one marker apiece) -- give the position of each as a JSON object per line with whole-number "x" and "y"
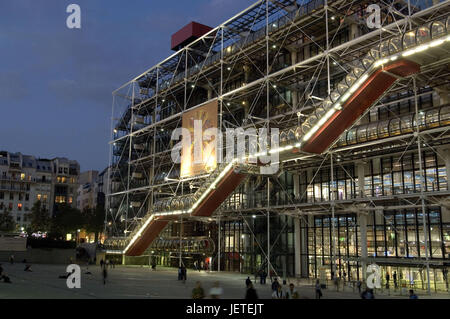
{"x": 364, "y": 161}
{"x": 87, "y": 195}
{"x": 26, "y": 179}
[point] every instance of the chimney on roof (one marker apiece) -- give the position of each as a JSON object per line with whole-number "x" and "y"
{"x": 188, "y": 34}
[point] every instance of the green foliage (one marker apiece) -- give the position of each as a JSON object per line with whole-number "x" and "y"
{"x": 94, "y": 220}
{"x": 40, "y": 219}
{"x": 66, "y": 220}
{"x": 7, "y": 223}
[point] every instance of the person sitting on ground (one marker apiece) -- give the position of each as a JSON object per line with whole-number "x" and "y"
{"x": 66, "y": 275}
{"x": 216, "y": 291}
{"x": 412, "y": 295}
{"x": 251, "y": 293}
{"x": 6, "y": 279}
{"x": 198, "y": 292}
{"x": 292, "y": 293}
{"x": 278, "y": 294}
{"x": 368, "y": 294}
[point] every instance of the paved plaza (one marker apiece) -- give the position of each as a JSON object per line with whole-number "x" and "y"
{"x": 143, "y": 283}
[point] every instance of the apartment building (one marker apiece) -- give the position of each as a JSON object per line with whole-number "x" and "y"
{"x": 25, "y": 179}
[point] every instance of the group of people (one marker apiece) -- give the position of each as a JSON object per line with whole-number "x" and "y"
{"x": 107, "y": 263}
{"x": 262, "y": 276}
{"x": 278, "y": 292}
{"x": 199, "y": 266}
{"x": 388, "y": 279}
{"x": 214, "y": 293}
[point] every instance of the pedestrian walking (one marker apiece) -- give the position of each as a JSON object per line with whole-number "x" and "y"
{"x": 275, "y": 285}
{"x": 358, "y": 285}
{"x": 198, "y": 292}
{"x": 251, "y": 293}
{"x": 394, "y": 277}
{"x": 318, "y": 290}
{"x": 216, "y": 291}
{"x": 180, "y": 273}
{"x": 105, "y": 275}
{"x": 11, "y": 259}
{"x": 101, "y": 263}
{"x": 248, "y": 281}
{"x": 264, "y": 277}
{"x": 388, "y": 278}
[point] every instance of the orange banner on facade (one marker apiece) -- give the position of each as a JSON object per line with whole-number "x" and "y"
{"x": 203, "y": 118}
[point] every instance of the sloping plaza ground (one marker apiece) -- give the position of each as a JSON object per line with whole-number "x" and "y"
{"x": 143, "y": 283}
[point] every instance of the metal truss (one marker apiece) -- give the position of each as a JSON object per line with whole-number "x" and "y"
{"x": 271, "y": 65}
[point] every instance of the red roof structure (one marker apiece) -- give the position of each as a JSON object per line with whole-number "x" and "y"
{"x": 188, "y": 34}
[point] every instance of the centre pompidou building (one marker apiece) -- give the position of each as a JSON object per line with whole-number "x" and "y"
{"x": 363, "y": 113}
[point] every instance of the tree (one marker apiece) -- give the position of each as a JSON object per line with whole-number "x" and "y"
{"x": 40, "y": 218}
{"x": 7, "y": 223}
{"x": 66, "y": 220}
{"x": 94, "y": 220}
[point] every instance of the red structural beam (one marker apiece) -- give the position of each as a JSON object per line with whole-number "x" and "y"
{"x": 216, "y": 197}
{"x": 206, "y": 208}
{"x": 367, "y": 94}
{"x": 150, "y": 233}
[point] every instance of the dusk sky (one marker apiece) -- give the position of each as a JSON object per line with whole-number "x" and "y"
{"x": 56, "y": 83}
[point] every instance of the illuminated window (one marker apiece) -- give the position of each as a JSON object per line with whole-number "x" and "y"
{"x": 63, "y": 179}
{"x": 22, "y": 176}
{"x": 19, "y": 206}
{"x": 70, "y": 200}
{"x": 45, "y": 197}
{"x": 58, "y": 179}
{"x": 39, "y": 196}
{"x": 60, "y": 199}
